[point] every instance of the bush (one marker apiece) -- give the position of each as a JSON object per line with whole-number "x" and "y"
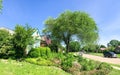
{"x": 34, "y": 53}
{"x": 75, "y": 69}
{"x": 105, "y": 68}
{"x": 39, "y": 61}
{"x": 86, "y": 64}
{"x": 40, "y": 52}
{"x": 67, "y": 62}
{"x": 102, "y": 69}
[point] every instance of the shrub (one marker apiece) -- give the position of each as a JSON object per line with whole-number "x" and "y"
{"x": 40, "y": 61}
{"x": 40, "y": 52}
{"x": 75, "y": 69}
{"x": 34, "y": 53}
{"x": 102, "y": 69}
{"x": 67, "y": 62}
{"x": 48, "y": 51}
{"x": 86, "y": 64}
{"x": 105, "y": 68}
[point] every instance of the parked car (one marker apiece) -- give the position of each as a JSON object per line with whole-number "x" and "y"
{"x": 110, "y": 54}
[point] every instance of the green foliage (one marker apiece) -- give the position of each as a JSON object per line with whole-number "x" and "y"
{"x": 40, "y": 61}
{"x": 110, "y": 48}
{"x": 90, "y": 67}
{"x": 6, "y": 46}
{"x": 53, "y": 47}
{"x": 102, "y": 46}
{"x": 87, "y": 64}
{"x": 106, "y": 68}
{"x": 74, "y": 46}
{"x": 113, "y": 43}
{"x": 0, "y": 5}
{"x": 22, "y": 38}
{"x": 101, "y": 69}
{"x": 34, "y": 53}
{"x": 44, "y": 52}
{"x": 70, "y": 24}
{"x": 67, "y": 62}
{"x": 114, "y": 72}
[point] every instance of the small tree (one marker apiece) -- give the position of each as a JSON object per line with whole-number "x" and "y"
{"x": 22, "y": 38}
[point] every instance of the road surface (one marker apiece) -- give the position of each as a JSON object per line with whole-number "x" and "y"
{"x": 103, "y": 59}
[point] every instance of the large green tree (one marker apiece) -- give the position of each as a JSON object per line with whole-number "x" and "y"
{"x": 22, "y": 38}
{"x": 72, "y": 24}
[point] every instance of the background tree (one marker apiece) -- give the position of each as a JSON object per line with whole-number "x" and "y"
{"x": 113, "y": 43}
{"x": 6, "y": 46}
{"x": 74, "y": 46}
{"x": 0, "y": 5}
{"x": 69, "y": 24}
{"x": 22, "y": 38}
{"x": 102, "y": 46}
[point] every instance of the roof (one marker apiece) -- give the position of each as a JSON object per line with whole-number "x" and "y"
{"x": 9, "y": 30}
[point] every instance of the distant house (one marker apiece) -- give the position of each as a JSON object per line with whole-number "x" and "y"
{"x": 45, "y": 40}
{"x": 37, "y": 39}
{"x": 36, "y": 36}
{"x": 9, "y": 30}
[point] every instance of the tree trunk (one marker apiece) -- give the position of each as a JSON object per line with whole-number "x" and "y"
{"x": 67, "y": 40}
{"x": 67, "y": 47}
{"x": 67, "y": 44}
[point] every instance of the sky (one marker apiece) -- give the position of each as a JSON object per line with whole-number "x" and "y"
{"x": 106, "y": 14}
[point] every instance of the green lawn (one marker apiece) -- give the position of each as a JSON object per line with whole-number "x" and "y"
{"x": 101, "y": 54}
{"x": 97, "y": 54}
{"x": 114, "y": 72}
{"x": 11, "y": 67}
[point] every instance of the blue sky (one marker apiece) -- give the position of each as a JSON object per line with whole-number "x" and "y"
{"x": 106, "y": 13}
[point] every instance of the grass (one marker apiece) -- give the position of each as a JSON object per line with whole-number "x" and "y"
{"x": 12, "y": 67}
{"x": 97, "y": 54}
{"x": 114, "y": 72}
{"x": 118, "y": 55}
{"x": 101, "y": 54}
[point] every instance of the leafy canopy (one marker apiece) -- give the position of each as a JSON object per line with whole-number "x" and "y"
{"x": 69, "y": 24}
{"x": 74, "y": 46}
{"x": 113, "y": 43}
{"x": 5, "y": 42}
{"x": 22, "y": 38}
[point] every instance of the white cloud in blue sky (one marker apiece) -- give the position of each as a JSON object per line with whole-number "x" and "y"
{"x": 106, "y": 13}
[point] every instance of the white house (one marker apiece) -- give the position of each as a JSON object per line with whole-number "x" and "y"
{"x": 37, "y": 40}
{"x": 9, "y": 30}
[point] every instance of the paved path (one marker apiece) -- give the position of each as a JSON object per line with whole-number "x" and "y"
{"x": 103, "y": 59}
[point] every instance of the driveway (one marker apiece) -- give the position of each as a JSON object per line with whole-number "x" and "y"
{"x": 103, "y": 59}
